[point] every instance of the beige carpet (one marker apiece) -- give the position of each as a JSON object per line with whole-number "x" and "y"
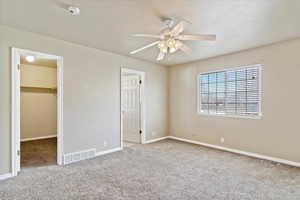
{"x": 128, "y": 144}
{"x": 167, "y": 170}
{"x": 39, "y": 153}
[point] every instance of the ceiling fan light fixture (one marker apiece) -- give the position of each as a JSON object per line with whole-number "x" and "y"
{"x": 178, "y": 44}
{"x": 164, "y": 50}
{"x": 171, "y": 43}
{"x": 173, "y": 50}
{"x": 163, "y": 46}
{"x": 171, "y": 38}
{"x": 174, "y": 45}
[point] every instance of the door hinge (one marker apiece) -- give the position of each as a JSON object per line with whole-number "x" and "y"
{"x": 18, "y": 152}
{"x": 141, "y": 131}
{"x": 140, "y": 81}
{"x": 18, "y": 66}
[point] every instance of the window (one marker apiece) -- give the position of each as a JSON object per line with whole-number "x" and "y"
{"x": 233, "y": 92}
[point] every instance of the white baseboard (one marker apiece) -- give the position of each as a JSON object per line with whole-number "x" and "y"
{"x": 156, "y": 140}
{"x": 100, "y": 153}
{"x": 5, "y": 176}
{"x": 38, "y": 138}
{"x": 254, "y": 155}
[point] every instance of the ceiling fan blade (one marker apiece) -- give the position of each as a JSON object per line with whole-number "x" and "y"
{"x": 184, "y": 48}
{"x": 196, "y": 37}
{"x": 147, "y": 35}
{"x": 160, "y": 56}
{"x": 177, "y": 29}
{"x": 144, "y": 47}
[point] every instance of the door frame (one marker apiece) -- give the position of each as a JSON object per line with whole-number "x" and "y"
{"x": 15, "y": 105}
{"x": 142, "y": 103}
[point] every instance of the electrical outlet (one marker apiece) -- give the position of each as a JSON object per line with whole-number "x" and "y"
{"x": 104, "y": 143}
{"x": 222, "y": 140}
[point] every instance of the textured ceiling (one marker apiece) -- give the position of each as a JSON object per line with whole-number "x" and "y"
{"x": 108, "y": 24}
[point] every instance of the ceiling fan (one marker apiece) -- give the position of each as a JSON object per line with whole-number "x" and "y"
{"x": 170, "y": 39}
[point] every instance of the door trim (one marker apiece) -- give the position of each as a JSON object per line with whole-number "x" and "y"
{"x": 15, "y": 105}
{"x": 143, "y": 104}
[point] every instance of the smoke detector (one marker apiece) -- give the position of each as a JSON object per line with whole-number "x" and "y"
{"x": 74, "y": 10}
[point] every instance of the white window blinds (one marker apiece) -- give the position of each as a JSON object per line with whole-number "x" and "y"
{"x": 234, "y": 92}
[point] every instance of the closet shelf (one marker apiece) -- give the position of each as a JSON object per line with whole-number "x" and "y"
{"x": 33, "y": 87}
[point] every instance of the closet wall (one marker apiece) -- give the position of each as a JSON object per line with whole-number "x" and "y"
{"x": 38, "y": 102}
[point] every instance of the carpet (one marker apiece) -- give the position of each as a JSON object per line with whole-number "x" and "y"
{"x": 38, "y": 153}
{"x": 166, "y": 170}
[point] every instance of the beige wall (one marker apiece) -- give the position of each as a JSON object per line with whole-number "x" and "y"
{"x": 38, "y": 113}
{"x": 92, "y": 97}
{"x": 276, "y": 134}
{"x": 38, "y": 76}
{"x": 91, "y": 93}
{"x": 38, "y": 102}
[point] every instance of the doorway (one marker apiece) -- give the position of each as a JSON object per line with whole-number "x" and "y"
{"x": 132, "y": 107}
{"x": 37, "y": 136}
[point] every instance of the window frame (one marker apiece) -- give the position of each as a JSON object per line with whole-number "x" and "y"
{"x": 259, "y": 116}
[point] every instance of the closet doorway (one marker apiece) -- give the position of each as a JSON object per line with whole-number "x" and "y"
{"x": 36, "y": 109}
{"x": 132, "y": 107}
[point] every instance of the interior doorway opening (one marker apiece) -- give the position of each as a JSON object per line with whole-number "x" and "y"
{"x": 132, "y": 107}
{"x": 38, "y": 111}
{"x": 37, "y": 136}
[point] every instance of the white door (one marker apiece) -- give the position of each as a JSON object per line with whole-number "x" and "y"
{"x": 131, "y": 108}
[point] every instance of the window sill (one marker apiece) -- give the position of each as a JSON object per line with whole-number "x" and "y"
{"x": 231, "y": 116}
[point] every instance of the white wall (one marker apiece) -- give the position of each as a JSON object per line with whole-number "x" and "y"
{"x": 276, "y": 134}
{"x": 91, "y": 93}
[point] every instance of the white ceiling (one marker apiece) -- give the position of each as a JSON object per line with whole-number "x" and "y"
{"x": 40, "y": 62}
{"x": 108, "y": 24}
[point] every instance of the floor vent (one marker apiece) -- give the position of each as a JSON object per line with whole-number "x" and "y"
{"x": 77, "y": 156}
